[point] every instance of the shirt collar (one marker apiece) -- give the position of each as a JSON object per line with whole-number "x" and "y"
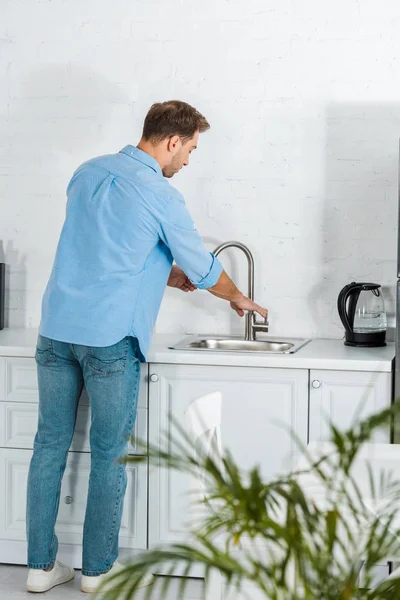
{"x": 142, "y": 157}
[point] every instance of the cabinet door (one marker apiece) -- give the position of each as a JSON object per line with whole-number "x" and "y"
{"x": 14, "y": 466}
{"x": 18, "y": 381}
{"x": 18, "y": 425}
{"x": 18, "y": 418}
{"x": 341, "y": 397}
{"x": 258, "y": 406}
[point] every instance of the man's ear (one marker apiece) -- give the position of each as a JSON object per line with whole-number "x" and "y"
{"x": 173, "y": 143}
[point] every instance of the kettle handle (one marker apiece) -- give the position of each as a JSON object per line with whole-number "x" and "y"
{"x": 341, "y": 305}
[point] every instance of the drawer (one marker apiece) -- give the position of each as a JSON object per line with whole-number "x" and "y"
{"x": 18, "y": 425}
{"x": 14, "y": 467}
{"x": 18, "y": 381}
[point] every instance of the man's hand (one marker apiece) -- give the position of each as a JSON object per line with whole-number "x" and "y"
{"x": 178, "y": 279}
{"x": 245, "y": 304}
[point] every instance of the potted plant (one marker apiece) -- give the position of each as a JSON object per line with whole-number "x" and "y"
{"x": 272, "y": 533}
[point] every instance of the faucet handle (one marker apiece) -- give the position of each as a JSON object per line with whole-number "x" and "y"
{"x": 260, "y": 325}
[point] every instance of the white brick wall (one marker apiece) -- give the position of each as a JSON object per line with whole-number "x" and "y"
{"x": 300, "y": 163}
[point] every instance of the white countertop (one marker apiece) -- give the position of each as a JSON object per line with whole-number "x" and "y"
{"x": 317, "y": 354}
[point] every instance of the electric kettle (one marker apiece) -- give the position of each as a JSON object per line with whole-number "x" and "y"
{"x": 362, "y": 312}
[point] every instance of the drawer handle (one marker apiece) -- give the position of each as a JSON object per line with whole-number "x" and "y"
{"x": 316, "y": 384}
{"x": 68, "y": 500}
{"x": 154, "y": 377}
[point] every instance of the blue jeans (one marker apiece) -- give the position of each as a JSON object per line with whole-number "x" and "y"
{"x": 111, "y": 376}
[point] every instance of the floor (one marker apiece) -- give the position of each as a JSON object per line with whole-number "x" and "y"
{"x": 13, "y": 579}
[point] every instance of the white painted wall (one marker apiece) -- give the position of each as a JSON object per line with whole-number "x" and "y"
{"x": 300, "y": 164}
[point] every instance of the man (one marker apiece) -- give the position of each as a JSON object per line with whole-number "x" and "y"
{"x": 125, "y": 225}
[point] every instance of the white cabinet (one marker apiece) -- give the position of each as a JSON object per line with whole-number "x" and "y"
{"x": 258, "y": 407}
{"x": 18, "y": 380}
{"x": 18, "y": 425}
{"x": 14, "y": 467}
{"x": 341, "y": 397}
{"x": 19, "y": 398}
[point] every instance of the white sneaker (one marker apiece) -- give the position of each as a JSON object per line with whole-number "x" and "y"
{"x": 40, "y": 580}
{"x": 90, "y": 583}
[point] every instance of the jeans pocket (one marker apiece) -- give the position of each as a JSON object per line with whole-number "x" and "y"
{"x": 109, "y": 359}
{"x": 44, "y": 351}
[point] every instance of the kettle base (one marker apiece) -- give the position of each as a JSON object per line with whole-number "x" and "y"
{"x": 366, "y": 344}
{"x": 366, "y": 340}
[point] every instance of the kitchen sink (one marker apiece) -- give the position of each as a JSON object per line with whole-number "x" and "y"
{"x": 217, "y": 343}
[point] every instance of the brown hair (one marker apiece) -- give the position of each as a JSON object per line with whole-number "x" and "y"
{"x": 173, "y": 117}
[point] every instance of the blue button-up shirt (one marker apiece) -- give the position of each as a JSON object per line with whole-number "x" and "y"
{"x": 125, "y": 225}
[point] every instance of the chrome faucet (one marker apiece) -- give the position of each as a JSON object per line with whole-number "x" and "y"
{"x": 251, "y": 324}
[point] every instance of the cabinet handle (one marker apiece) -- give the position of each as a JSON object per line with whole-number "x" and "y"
{"x": 68, "y": 500}
{"x": 154, "y": 377}
{"x": 316, "y": 384}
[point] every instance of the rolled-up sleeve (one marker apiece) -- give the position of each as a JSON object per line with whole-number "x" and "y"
{"x": 178, "y": 232}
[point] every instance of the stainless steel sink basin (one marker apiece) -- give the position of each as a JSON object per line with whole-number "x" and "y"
{"x": 214, "y": 343}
